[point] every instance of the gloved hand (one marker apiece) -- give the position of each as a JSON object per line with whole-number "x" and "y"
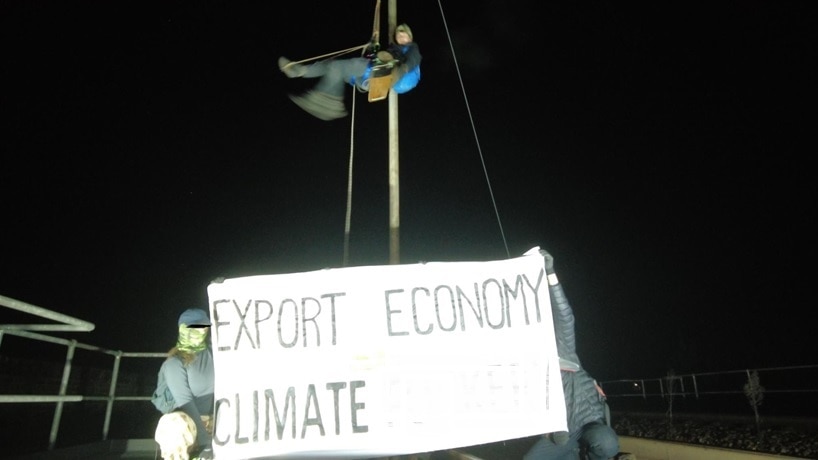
{"x": 372, "y": 49}
{"x": 549, "y": 261}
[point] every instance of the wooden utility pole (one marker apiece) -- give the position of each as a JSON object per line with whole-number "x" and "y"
{"x": 394, "y": 166}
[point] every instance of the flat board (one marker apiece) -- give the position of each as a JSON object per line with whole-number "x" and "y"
{"x": 379, "y": 87}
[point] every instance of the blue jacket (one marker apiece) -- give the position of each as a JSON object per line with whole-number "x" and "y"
{"x": 409, "y": 68}
{"x": 407, "y": 71}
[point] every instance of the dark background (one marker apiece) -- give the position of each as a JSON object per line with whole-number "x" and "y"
{"x": 660, "y": 151}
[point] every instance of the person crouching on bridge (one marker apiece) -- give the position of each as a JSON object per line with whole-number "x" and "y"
{"x": 186, "y": 430}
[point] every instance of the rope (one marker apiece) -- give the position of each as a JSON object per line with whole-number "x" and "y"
{"x": 474, "y": 130}
{"x": 333, "y": 54}
{"x": 376, "y": 22}
{"x": 348, "y": 216}
{"x": 376, "y": 25}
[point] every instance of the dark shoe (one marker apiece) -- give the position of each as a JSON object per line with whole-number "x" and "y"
{"x": 321, "y": 105}
{"x": 205, "y": 454}
{"x": 291, "y": 69}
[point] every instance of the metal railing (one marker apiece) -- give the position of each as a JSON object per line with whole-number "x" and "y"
{"x": 70, "y": 324}
{"x": 774, "y": 391}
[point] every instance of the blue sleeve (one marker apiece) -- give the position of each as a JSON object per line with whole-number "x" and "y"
{"x": 176, "y": 378}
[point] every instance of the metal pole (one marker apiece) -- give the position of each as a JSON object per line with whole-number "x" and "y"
{"x": 394, "y": 170}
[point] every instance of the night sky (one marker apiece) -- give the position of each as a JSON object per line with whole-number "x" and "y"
{"x": 660, "y": 151}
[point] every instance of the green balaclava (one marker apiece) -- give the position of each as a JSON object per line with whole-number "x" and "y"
{"x": 192, "y": 339}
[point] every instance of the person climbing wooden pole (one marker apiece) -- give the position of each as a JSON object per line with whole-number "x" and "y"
{"x": 396, "y": 68}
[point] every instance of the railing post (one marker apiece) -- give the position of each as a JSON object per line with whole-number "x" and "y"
{"x": 109, "y": 407}
{"x": 66, "y": 375}
{"x": 695, "y": 385}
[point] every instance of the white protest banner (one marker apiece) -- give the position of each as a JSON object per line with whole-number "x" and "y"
{"x": 373, "y": 361}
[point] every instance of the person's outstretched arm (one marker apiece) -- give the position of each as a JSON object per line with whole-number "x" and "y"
{"x": 563, "y": 314}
